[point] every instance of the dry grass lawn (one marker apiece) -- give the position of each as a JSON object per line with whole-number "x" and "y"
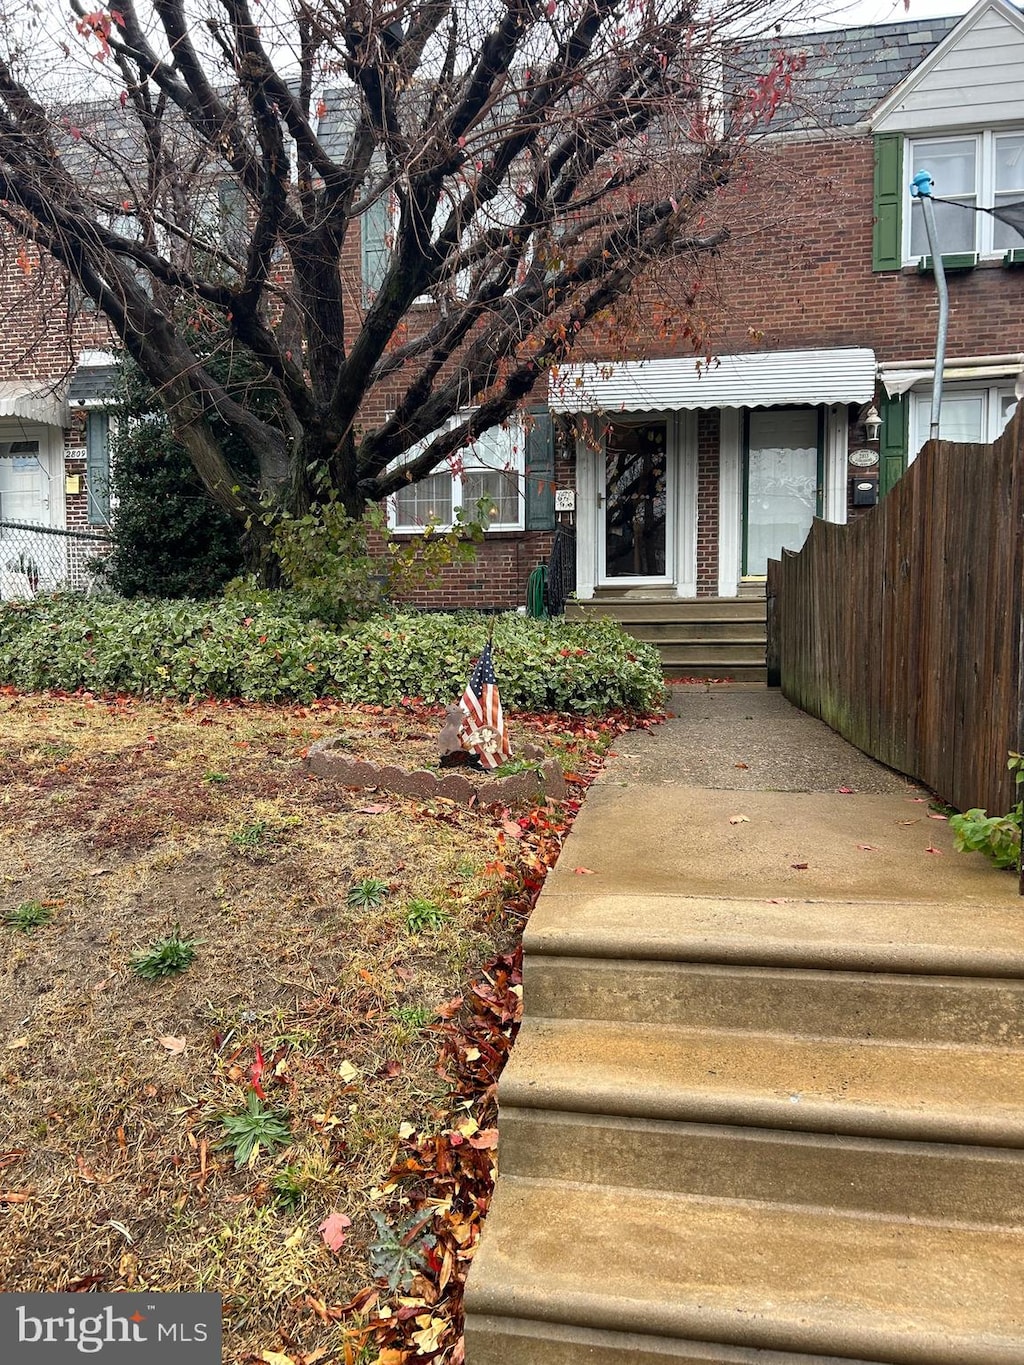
{"x": 122, "y": 823}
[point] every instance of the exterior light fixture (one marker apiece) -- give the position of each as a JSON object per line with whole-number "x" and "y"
{"x": 872, "y": 425}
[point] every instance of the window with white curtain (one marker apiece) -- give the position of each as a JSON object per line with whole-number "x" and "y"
{"x": 970, "y": 412}
{"x": 491, "y": 468}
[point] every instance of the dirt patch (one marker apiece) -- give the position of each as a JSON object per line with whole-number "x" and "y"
{"x": 329, "y": 930}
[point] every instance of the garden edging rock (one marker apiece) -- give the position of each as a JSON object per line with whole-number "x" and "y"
{"x": 546, "y": 781}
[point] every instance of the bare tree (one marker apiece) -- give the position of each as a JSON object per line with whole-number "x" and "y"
{"x": 526, "y": 160}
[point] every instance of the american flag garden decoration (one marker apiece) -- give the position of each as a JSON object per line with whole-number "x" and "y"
{"x": 483, "y": 731}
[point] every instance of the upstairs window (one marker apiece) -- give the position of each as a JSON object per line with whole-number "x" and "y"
{"x": 976, "y": 169}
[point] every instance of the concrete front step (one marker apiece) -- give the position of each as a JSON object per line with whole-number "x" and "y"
{"x": 634, "y": 609}
{"x": 940, "y": 1182}
{"x": 716, "y": 653}
{"x": 940, "y": 1010}
{"x": 711, "y": 633}
{"x": 748, "y": 675}
{"x": 509, "y": 1341}
{"x": 971, "y": 1095}
{"x": 908, "y": 937}
{"x": 738, "y": 1274}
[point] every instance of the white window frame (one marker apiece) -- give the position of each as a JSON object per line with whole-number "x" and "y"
{"x": 514, "y": 434}
{"x": 458, "y": 286}
{"x": 921, "y": 404}
{"x": 984, "y": 188}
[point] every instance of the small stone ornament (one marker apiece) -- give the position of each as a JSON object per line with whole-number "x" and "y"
{"x": 450, "y": 748}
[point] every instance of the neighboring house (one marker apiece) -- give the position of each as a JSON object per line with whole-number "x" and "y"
{"x": 706, "y": 472}
{"x": 680, "y": 478}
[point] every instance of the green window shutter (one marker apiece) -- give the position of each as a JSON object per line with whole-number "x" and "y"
{"x": 893, "y": 441}
{"x": 887, "y": 241}
{"x": 540, "y": 473}
{"x": 97, "y": 468}
{"x": 376, "y": 252}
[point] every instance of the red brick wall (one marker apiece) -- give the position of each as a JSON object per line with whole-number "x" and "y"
{"x": 799, "y": 276}
{"x": 707, "y": 504}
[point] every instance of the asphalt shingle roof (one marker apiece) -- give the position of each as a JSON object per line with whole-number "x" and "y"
{"x": 848, "y": 72}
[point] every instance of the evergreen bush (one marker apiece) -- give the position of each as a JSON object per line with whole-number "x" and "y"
{"x": 264, "y": 649}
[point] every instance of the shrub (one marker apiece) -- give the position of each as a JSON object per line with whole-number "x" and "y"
{"x": 170, "y": 538}
{"x": 262, "y": 649}
{"x": 997, "y": 836}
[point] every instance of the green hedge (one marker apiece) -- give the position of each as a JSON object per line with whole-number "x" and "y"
{"x": 266, "y": 651}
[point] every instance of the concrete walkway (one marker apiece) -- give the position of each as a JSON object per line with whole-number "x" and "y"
{"x": 767, "y": 1104}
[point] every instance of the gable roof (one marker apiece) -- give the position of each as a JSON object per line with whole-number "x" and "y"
{"x": 846, "y": 72}
{"x": 972, "y": 76}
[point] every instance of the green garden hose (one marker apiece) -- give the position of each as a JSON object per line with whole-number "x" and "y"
{"x": 536, "y": 592}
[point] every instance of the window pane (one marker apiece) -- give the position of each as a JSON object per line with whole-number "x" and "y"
{"x": 500, "y": 486}
{"x": 950, "y": 165}
{"x": 1009, "y": 182}
{"x": 962, "y": 418}
{"x": 782, "y": 484}
{"x": 430, "y": 500}
{"x": 952, "y": 168}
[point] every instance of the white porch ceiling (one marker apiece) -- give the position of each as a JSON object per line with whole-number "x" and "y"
{"x": 762, "y": 379}
{"x": 33, "y": 402}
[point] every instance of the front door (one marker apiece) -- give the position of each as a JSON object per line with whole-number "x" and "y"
{"x": 25, "y": 556}
{"x": 782, "y": 483}
{"x": 635, "y": 539}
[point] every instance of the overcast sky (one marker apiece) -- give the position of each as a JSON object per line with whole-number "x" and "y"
{"x": 891, "y": 11}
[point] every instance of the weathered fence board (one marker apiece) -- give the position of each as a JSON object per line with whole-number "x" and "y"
{"x": 903, "y": 630}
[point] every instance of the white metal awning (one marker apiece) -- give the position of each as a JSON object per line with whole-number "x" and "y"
{"x": 899, "y": 376}
{"x": 34, "y": 402}
{"x": 763, "y": 379}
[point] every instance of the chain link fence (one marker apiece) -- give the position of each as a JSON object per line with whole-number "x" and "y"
{"x": 35, "y": 559}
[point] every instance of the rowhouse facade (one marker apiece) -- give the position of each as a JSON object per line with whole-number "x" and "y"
{"x": 679, "y": 475}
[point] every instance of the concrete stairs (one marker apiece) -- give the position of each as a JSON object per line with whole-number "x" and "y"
{"x": 704, "y": 638}
{"x": 760, "y": 1132}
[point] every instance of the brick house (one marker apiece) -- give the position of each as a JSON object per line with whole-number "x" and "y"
{"x": 679, "y": 479}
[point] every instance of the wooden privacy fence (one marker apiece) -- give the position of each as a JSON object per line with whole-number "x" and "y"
{"x": 902, "y": 631}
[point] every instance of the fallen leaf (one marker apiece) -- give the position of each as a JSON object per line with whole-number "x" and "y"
{"x": 348, "y": 1072}
{"x": 932, "y": 849}
{"x": 934, "y": 815}
{"x": 406, "y": 1130}
{"x": 276, "y": 1358}
{"x": 18, "y": 1042}
{"x": 333, "y": 1229}
{"x": 918, "y": 800}
{"x": 11, "y": 1197}
{"x": 740, "y": 765}
{"x": 294, "y": 1239}
{"x": 584, "y": 872}
{"x": 172, "y": 1044}
{"x": 85, "y": 1171}
{"x": 800, "y": 867}
{"x": 512, "y": 829}
{"x": 869, "y": 848}
{"x": 916, "y": 821}
{"x": 739, "y": 819}
{"x": 485, "y": 1139}
{"x": 428, "y": 1338}
{"x": 846, "y": 791}
{"x": 98, "y": 872}
{"x": 371, "y": 810}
